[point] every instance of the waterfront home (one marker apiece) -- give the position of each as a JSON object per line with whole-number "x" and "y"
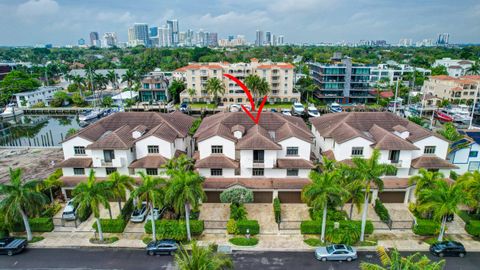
{"x": 42, "y": 94}
{"x": 464, "y": 152}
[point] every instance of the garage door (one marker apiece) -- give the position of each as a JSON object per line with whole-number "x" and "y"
{"x": 213, "y": 196}
{"x": 290, "y": 197}
{"x": 392, "y": 197}
{"x": 262, "y": 197}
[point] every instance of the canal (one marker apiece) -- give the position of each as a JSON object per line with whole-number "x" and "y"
{"x": 36, "y": 130}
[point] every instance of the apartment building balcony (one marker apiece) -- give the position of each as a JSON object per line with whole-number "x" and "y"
{"x": 396, "y": 163}
{"x": 116, "y": 162}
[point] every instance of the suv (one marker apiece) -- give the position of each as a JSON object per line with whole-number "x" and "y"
{"x": 448, "y": 248}
{"x": 298, "y": 109}
{"x": 165, "y": 246}
{"x": 69, "y": 212}
{"x": 139, "y": 214}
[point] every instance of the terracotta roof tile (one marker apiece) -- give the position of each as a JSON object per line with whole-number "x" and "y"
{"x": 386, "y": 140}
{"x": 257, "y": 138}
{"x": 150, "y": 161}
{"x": 75, "y": 163}
{"x": 294, "y": 163}
{"x": 431, "y": 162}
{"x": 216, "y": 161}
{"x": 256, "y": 183}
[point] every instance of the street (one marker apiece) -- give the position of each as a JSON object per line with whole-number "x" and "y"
{"x": 137, "y": 259}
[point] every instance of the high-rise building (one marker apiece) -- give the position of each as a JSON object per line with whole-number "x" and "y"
{"x": 131, "y": 36}
{"x": 259, "y": 38}
{"x": 443, "y": 39}
{"x": 405, "y": 42}
{"x": 164, "y": 38}
{"x": 212, "y": 39}
{"x": 153, "y": 31}
{"x": 174, "y": 31}
{"x": 273, "y": 42}
{"x": 141, "y": 33}
{"x": 190, "y": 38}
{"x": 81, "y": 42}
{"x": 182, "y": 37}
{"x": 268, "y": 38}
{"x": 280, "y": 40}
{"x": 94, "y": 39}
{"x": 110, "y": 39}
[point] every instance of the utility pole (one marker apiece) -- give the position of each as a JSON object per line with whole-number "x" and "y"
{"x": 396, "y": 94}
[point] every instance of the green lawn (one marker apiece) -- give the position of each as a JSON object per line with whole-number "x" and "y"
{"x": 203, "y": 105}
{"x": 278, "y": 105}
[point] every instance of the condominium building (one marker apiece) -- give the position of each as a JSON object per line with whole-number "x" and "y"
{"x": 110, "y": 39}
{"x": 43, "y": 94}
{"x": 457, "y": 90}
{"x": 343, "y": 82}
{"x": 403, "y": 144}
{"x": 455, "y": 67}
{"x": 138, "y": 35}
{"x": 391, "y": 73}
{"x": 94, "y": 39}
{"x": 154, "y": 87}
{"x": 271, "y": 157}
{"x": 278, "y": 75}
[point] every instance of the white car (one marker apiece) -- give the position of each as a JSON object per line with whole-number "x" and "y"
{"x": 69, "y": 212}
{"x": 298, "y": 109}
{"x": 139, "y": 214}
{"x": 312, "y": 111}
{"x": 286, "y": 112}
{"x": 157, "y": 213}
{"x": 336, "y": 253}
{"x": 235, "y": 108}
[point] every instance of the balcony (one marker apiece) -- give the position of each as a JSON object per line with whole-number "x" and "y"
{"x": 116, "y": 162}
{"x": 259, "y": 164}
{"x": 396, "y": 163}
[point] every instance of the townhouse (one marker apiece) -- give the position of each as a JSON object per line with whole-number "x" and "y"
{"x": 457, "y": 90}
{"x": 42, "y": 94}
{"x": 127, "y": 142}
{"x": 272, "y": 157}
{"x": 455, "y": 67}
{"x": 464, "y": 152}
{"x": 155, "y": 86}
{"x": 404, "y": 144}
{"x": 280, "y": 77}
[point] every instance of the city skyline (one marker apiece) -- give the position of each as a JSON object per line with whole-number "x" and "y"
{"x": 65, "y": 22}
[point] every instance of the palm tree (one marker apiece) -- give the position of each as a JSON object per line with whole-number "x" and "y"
{"x": 91, "y": 195}
{"x": 113, "y": 78}
{"x": 442, "y": 200}
{"x": 152, "y": 191}
{"x": 19, "y": 198}
{"x": 79, "y": 81}
{"x": 119, "y": 184}
{"x": 395, "y": 261}
{"x": 424, "y": 180}
{"x": 355, "y": 195}
{"x": 470, "y": 183}
{"x": 324, "y": 189}
{"x": 51, "y": 182}
{"x": 474, "y": 69}
{"x": 130, "y": 77}
{"x": 182, "y": 162}
{"x": 202, "y": 258}
{"x": 369, "y": 172}
{"x": 184, "y": 192}
{"x": 258, "y": 86}
{"x": 215, "y": 87}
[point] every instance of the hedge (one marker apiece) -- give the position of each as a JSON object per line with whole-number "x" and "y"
{"x": 315, "y": 226}
{"x": 426, "y": 227}
{"x": 238, "y": 211}
{"x": 473, "y": 227}
{"x": 84, "y": 215}
{"x": 243, "y": 241}
{"x": 42, "y": 224}
{"x": 111, "y": 225}
{"x": 251, "y": 225}
{"x": 381, "y": 211}
{"x": 127, "y": 210}
{"x": 174, "y": 229}
{"x": 277, "y": 210}
{"x": 333, "y": 215}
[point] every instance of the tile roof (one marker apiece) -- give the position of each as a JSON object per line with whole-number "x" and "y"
{"x": 72, "y": 181}
{"x": 216, "y": 161}
{"x": 431, "y": 162}
{"x": 329, "y": 154}
{"x": 75, "y": 163}
{"x": 150, "y": 161}
{"x": 121, "y": 138}
{"x": 294, "y": 163}
{"x": 256, "y": 183}
{"x": 386, "y": 140}
{"x": 257, "y": 138}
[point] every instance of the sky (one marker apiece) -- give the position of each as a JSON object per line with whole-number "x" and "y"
{"x": 62, "y": 22}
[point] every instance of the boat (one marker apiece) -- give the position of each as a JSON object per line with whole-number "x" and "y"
{"x": 10, "y": 111}
{"x": 90, "y": 114}
{"x": 459, "y": 113}
{"x": 335, "y": 107}
{"x": 442, "y": 117}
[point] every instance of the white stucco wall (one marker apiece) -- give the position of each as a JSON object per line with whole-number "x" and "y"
{"x": 344, "y": 150}
{"x": 304, "y": 148}
{"x": 462, "y": 159}
{"x": 225, "y": 172}
{"x": 441, "y": 147}
{"x": 165, "y": 148}
{"x": 205, "y": 147}
{"x": 68, "y": 146}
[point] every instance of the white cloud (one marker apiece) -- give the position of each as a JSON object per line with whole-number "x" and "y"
{"x": 36, "y": 8}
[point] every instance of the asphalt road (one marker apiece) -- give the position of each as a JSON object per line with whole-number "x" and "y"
{"x": 80, "y": 259}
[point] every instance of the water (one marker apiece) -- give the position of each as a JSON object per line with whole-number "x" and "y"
{"x": 36, "y": 130}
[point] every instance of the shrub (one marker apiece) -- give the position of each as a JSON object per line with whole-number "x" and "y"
{"x": 111, "y": 225}
{"x": 84, "y": 215}
{"x": 237, "y": 195}
{"x": 381, "y": 211}
{"x": 238, "y": 212}
{"x": 51, "y": 209}
{"x": 243, "y": 241}
{"x": 174, "y": 229}
{"x": 473, "y": 227}
{"x": 426, "y": 227}
{"x": 313, "y": 242}
{"x": 332, "y": 214}
{"x": 315, "y": 226}
{"x": 251, "y": 225}
{"x": 42, "y": 224}
{"x": 127, "y": 210}
{"x": 232, "y": 226}
{"x": 277, "y": 210}
{"x": 194, "y": 214}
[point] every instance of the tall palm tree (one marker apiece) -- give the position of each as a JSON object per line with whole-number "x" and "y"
{"x": 79, "y": 81}
{"x": 424, "y": 180}
{"x": 324, "y": 189}
{"x": 184, "y": 192}
{"x": 395, "y": 261}
{"x": 215, "y": 87}
{"x": 119, "y": 184}
{"x": 91, "y": 195}
{"x": 204, "y": 258}
{"x": 474, "y": 69}
{"x": 470, "y": 183}
{"x": 51, "y": 182}
{"x": 258, "y": 86}
{"x": 369, "y": 172}
{"x": 182, "y": 162}
{"x": 113, "y": 78}
{"x": 129, "y": 77}
{"x": 355, "y": 195}
{"x": 19, "y": 198}
{"x": 442, "y": 200}
{"x": 152, "y": 191}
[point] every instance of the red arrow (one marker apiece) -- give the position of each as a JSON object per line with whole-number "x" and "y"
{"x": 250, "y": 98}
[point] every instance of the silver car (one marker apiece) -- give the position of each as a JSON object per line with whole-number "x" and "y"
{"x": 69, "y": 212}
{"x": 336, "y": 253}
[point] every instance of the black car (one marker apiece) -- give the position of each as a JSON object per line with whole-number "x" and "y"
{"x": 165, "y": 246}
{"x": 184, "y": 107}
{"x": 10, "y": 245}
{"x": 448, "y": 248}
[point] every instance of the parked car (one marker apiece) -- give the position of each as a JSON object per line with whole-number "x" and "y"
{"x": 312, "y": 111}
{"x": 336, "y": 253}
{"x": 11, "y": 246}
{"x": 235, "y": 108}
{"x": 157, "y": 214}
{"x": 448, "y": 248}
{"x": 184, "y": 107}
{"x": 165, "y": 246}
{"x": 139, "y": 214}
{"x": 298, "y": 109}
{"x": 69, "y": 212}
{"x": 286, "y": 112}
{"x": 273, "y": 110}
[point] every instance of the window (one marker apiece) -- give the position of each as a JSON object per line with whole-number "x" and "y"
{"x": 258, "y": 172}
{"x": 79, "y": 150}
{"x": 292, "y": 172}
{"x": 110, "y": 170}
{"x": 78, "y": 171}
{"x": 473, "y": 154}
{"x": 216, "y": 172}
{"x": 217, "y": 149}
{"x": 152, "y": 171}
{"x": 429, "y": 150}
{"x": 258, "y": 156}
{"x": 292, "y": 151}
{"x": 473, "y": 165}
{"x": 357, "y": 151}
{"x": 394, "y": 156}
{"x": 108, "y": 155}
{"x": 153, "y": 149}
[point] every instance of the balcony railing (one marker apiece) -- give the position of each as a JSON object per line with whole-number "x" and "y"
{"x": 396, "y": 163}
{"x": 116, "y": 162}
